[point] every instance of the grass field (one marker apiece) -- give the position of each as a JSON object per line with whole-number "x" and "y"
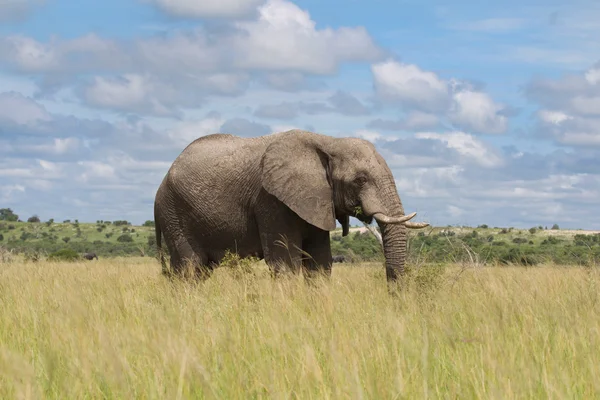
{"x": 116, "y": 329}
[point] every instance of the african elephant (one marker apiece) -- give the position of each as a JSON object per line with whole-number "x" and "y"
{"x": 90, "y": 256}
{"x": 339, "y": 259}
{"x": 276, "y": 197}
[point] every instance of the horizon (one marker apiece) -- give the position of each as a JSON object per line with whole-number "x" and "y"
{"x": 486, "y": 115}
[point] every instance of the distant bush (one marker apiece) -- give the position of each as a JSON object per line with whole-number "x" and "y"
{"x": 484, "y": 226}
{"x": 125, "y": 238}
{"x": 555, "y": 227}
{"x": 63, "y": 255}
{"x": 149, "y": 223}
{"x": 121, "y": 222}
{"x": 6, "y": 214}
{"x": 1, "y": 237}
{"x": 33, "y": 219}
{"x": 532, "y": 230}
{"x": 66, "y": 239}
{"x": 503, "y": 231}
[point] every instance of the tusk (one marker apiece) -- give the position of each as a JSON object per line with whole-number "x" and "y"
{"x": 416, "y": 225}
{"x": 391, "y": 220}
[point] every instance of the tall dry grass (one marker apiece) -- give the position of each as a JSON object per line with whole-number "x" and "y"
{"x": 117, "y": 329}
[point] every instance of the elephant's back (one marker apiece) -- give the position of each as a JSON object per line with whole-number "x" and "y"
{"x": 214, "y": 168}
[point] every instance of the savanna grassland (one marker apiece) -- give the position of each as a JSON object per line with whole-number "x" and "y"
{"x": 115, "y": 328}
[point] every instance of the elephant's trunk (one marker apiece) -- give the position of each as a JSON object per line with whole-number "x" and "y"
{"x": 394, "y": 225}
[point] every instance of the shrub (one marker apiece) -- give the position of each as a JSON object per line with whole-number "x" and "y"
{"x": 555, "y": 227}
{"x": 63, "y": 255}
{"x": 1, "y": 237}
{"x": 125, "y": 238}
{"x": 34, "y": 219}
{"x": 532, "y": 230}
{"x": 149, "y": 223}
{"x": 66, "y": 239}
{"x": 6, "y": 214}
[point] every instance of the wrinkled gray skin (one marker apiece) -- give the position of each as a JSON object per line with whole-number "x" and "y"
{"x": 339, "y": 259}
{"x": 90, "y": 256}
{"x": 246, "y": 195}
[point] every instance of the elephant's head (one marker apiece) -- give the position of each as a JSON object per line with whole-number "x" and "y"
{"x": 322, "y": 179}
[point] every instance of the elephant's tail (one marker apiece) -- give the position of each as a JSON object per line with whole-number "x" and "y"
{"x": 161, "y": 254}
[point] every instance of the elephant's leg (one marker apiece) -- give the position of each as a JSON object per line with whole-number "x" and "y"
{"x": 186, "y": 260}
{"x": 282, "y": 251}
{"x": 317, "y": 257}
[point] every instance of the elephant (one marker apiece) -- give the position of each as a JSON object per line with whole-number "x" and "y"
{"x": 339, "y": 259}
{"x": 90, "y": 256}
{"x": 276, "y": 197}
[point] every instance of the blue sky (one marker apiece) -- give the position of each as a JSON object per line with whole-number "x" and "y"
{"x": 485, "y": 113}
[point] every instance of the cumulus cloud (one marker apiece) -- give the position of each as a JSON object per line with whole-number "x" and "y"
{"x": 208, "y": 9}
{"x": 569, "y": 109}
{"x": 281, "y": 47}
{"x": 265, "y": 43}
{"x": 467, "y": 146}
{"x": 20, "y": 110}
{"x": 477, "y": 111}
{"x": 414, "y": 89}
{"x": 410, "y": 86}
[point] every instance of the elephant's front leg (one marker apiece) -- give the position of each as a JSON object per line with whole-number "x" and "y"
{"x": 316, "y": 257}
{"x": 282, "y": 251}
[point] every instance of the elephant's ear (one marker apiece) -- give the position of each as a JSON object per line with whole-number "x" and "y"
{"x": 298, "y": 173}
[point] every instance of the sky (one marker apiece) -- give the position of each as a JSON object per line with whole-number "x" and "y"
{"x": 486, "y": 114}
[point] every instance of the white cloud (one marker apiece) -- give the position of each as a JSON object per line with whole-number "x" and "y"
{"x": 373, "y": 135}
{"x": 7, "y": 192}
{"x": 586, "y": 105}
{"x": 131, "y": 92}
{"x": 455, "y": 211}
{"x": 57, "y": 146}
{"x": 188, "y": 131}
{"x": 478, "y": 112}
{"x": 158, "y": 75}
{"x": 20, "y": 110}
{"x": 285, "y": 38}
{"x": 208, "y": 8}
{"x": 466, "y": 145}
{"x": 569, "y": 107}
{"x": 593, "y": 76}
{"x": 426, "y": 93}
{"x": 96, "y": 170}
{"x": 410, "y": 85}
{"x": 553, "y": 117}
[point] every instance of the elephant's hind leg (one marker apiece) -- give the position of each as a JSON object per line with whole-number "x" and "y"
{"x": 186, "y": 262}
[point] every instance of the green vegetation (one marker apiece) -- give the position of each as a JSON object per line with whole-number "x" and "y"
{"x": 105, "y": 238}
{"x": 487, "y": 245}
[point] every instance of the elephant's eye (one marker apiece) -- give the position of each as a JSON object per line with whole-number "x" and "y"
{"x": 360, "y": 180}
